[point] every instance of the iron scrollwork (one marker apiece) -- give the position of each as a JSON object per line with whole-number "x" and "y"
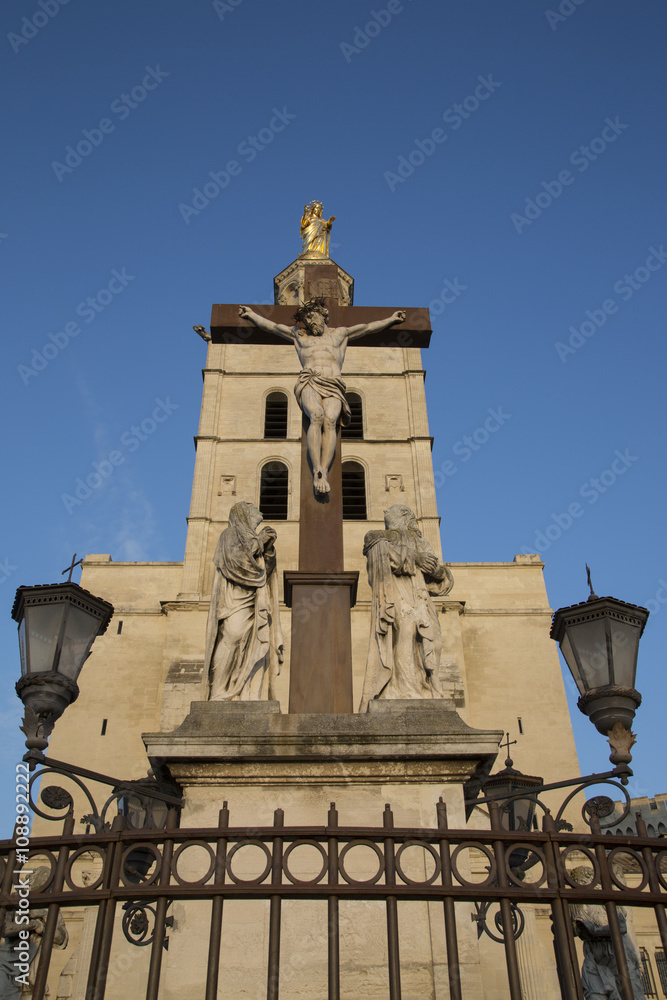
{"x": 596, "y": 810}
{"x": 138, "y": 928}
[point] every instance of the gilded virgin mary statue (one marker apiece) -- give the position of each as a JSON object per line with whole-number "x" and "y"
{"x": 315, "y": 231}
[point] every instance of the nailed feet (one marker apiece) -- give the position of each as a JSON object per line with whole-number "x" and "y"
{"x": 320, "y": 481}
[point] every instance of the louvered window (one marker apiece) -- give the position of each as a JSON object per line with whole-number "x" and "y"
{"x": 662, "y": 968}
{"x": 354, "y": 492}
{"x": 355, "y": 428}
{"x": 273, "y": 491}
{"x": 648, "y": 982}
{"x": 275, "y": 415}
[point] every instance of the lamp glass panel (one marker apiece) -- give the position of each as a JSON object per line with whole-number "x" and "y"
{"x": 517, "y": 814}
{"x": 625, "y": 646}
{"x": 23, "y": 652}
{"x": 43, "y": 623}
{"x": 590, "y": 641}
{"x": 135, "y": 810}
{"x": 571, "y": 660}
{"x": 80, "y": 632}
{"x": 520, "y": 814}
{"x": 159, "y": 812}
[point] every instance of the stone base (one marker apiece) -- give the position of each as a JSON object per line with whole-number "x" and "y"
{"x": 250, "y": 757}
{"x": 251, "y": 744}
{"x": 422, "y": 705}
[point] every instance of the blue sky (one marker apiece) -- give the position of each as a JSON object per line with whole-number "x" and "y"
{"x": 513, "y": 152}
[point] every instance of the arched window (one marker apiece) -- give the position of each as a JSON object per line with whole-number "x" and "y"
{"x": 355, "y": 428}
{"x": 354, "y": 492}
{"x": 273, "y": 491}
{"x": 275, "y": 415}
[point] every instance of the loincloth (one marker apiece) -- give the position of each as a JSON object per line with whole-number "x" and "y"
{"x": 326, "y": 387}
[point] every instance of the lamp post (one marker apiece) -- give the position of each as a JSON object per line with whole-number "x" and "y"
{"x": 58, "y": 624}
{"x": 599, "y": 640}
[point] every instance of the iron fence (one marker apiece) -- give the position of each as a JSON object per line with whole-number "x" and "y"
{"x": 143, "y": 872}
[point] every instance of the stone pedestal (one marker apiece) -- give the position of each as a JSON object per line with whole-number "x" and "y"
{"x": 312, "y": 275}
{"x": 405, "y": 753}
{"x": 257, "y": 760}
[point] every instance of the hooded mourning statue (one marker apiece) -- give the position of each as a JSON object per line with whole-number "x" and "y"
{"x": 17, "y": 977}
{"x": 405, "y": 640}
{"x": 244, "y": 642}
{"x": 600, "y": 977}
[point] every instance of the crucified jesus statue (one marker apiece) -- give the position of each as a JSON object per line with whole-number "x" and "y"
{"x": 320, "y": 390}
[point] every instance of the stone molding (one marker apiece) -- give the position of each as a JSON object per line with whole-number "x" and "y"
{"x": 252, "y": 742}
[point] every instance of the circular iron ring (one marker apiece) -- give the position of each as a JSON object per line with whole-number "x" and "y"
{"x": 659, "y": 857}
{"x": 489, "y": 880}
{"x": 77, "y": 854}
{"x": 311, "y": 881}
{"x": 580, "y": 849}
{"x": 177, "y": 853}
{"x": 249, "y": 881}
{"x": 148, "y": 880}
{"x": 532, "y": 850}
{"x": 640, "y": 861}
{"x": 361, "y": 843}
{"x": 432, "y": 851}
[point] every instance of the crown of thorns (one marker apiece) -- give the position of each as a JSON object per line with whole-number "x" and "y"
{"x": 312, "y": 305}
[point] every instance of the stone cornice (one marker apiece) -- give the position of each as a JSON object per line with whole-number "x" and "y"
{"x": 545, "y": 612}
{"x": 168, "y": 606}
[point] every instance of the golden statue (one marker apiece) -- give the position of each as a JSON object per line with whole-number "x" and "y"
{"x": 315, "y": 231}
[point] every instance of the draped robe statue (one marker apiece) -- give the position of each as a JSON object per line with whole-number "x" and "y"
{"x": 17, "y": 978}
{"x": 244, "y": 642}
{"x": 599, "y": 974}
{"x": 405, "y": 640}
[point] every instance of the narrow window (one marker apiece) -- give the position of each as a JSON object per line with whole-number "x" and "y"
{"x": 520, "y": 724}
{"x": 120, "y": 628}
{"x": 648, "y": 981}
{"x": 273, "y": 491}
{"x": 275, "y": 415}
{"x": 355, "y": 428}
{"x": 662, "y": 968}
{"x": 104, "y": 727}
{"x": 354, "y": 492}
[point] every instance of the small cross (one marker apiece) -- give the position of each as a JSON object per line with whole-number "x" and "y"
{"x": 75, "y": 562}
{"x": 507, "y": 745}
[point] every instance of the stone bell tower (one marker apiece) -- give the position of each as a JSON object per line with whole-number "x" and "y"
{"x": 144, "y": 689}
{"x": 497, "y": 664}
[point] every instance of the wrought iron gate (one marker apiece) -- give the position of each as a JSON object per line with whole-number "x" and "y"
{"x": 142, "y": 872}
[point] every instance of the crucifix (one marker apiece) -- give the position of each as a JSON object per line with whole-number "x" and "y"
{"x": 320, "y": 391}
{"x": 320, "y": 593}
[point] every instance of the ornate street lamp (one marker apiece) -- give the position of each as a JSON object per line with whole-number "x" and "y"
{"x": 58, "y": 624}
{"x": 515, "y": 793}
{"x": 599, "y": 640}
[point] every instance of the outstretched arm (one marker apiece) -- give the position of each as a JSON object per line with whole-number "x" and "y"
{"x": 354, "y": 332}
{"x": 266, "y": 324}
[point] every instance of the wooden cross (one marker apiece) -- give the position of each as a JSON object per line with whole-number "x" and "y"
{"x": 320, "y": 592}
{"x": 75, "y": 562}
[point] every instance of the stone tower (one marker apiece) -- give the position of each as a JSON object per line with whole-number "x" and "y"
{"x": 498, "y": 663}
{"x": 143, "y": 691}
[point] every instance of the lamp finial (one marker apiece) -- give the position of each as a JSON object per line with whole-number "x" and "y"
{"x": 592, "y": 596}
